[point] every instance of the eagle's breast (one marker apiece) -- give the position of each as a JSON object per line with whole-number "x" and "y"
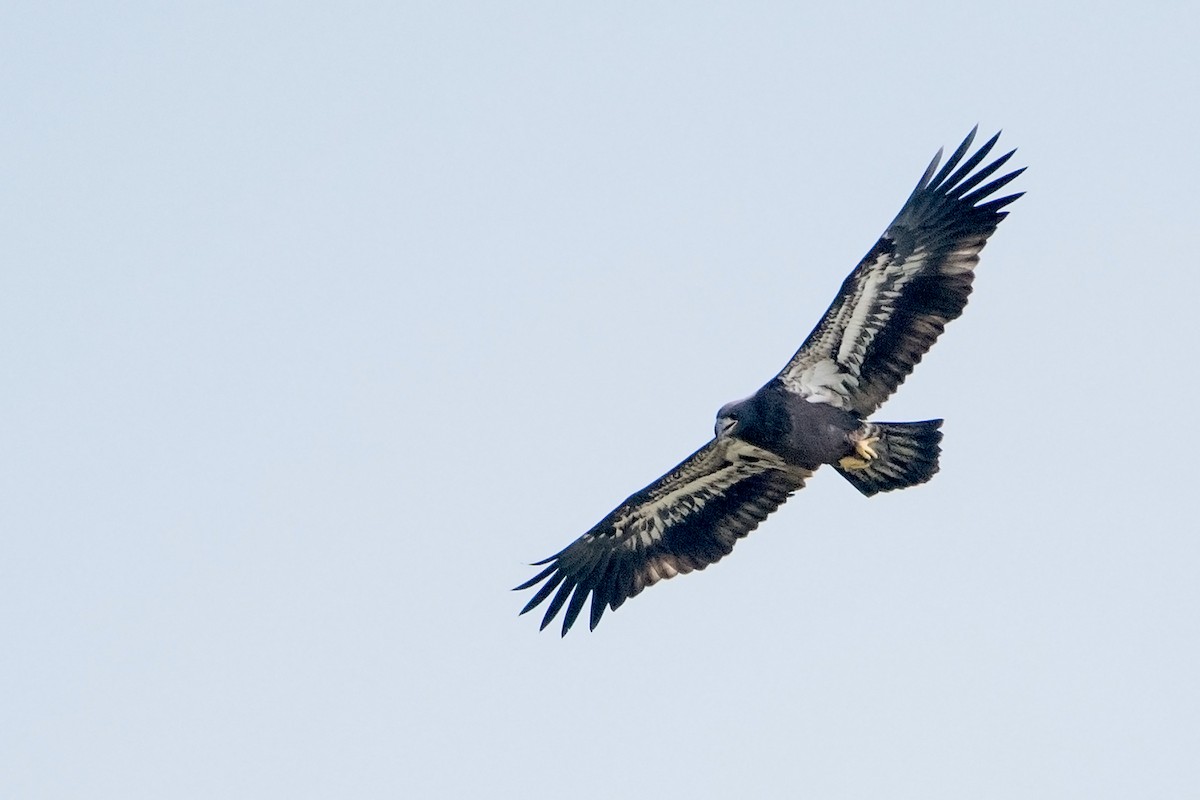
{"x": 803, "y": 434}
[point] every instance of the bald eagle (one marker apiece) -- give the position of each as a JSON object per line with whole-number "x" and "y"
{"x": 889, "y": 312}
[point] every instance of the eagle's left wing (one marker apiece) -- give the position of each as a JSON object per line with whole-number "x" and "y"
{"x": 896, "y": 302}
{"x": 687, "y": 519}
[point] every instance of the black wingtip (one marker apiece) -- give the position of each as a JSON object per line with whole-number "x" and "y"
{"x": 578, "y": 598}
{"x": 966, "y": 179}
{"x": 932, "y": 168}
{"x": 597, "y": 610}
{"x": 529, "y": 584}
{"x": 993, "y": 187}
{"x": 955, "y": 157}
{"x": 994, "y": 206}
{"x": 554, "y": 576}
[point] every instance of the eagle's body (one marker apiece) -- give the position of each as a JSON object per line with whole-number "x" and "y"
{"x": 803, "y": 435}
{"x": 889, "y": 312}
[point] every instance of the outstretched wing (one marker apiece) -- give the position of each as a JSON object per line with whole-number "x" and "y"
{"x": 896, "y": 302}
{"x": 687, "y": 519}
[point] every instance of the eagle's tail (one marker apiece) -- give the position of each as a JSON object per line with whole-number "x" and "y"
{"x": 905, "y": 454}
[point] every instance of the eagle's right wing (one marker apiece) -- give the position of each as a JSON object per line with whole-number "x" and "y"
{"x": 915, "y": 280}
{"x": 687, "y": 519}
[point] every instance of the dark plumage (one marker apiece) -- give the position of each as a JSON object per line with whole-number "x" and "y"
{"x": 888, "y": 313}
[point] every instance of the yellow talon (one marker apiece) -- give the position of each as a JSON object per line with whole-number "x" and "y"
{"x": 865, "y": 454}
{"x": 863, "y": 448}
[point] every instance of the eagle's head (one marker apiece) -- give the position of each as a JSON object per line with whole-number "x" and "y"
{"x": 760, "y": 419}
{"x": 733, "y": 417}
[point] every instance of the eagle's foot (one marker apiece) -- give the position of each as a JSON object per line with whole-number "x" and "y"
{"x": 864, "y": 451}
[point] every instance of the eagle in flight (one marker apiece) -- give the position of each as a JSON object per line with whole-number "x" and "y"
{"x": 889, "y": 312}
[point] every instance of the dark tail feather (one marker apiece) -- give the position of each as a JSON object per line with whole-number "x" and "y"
{"x": 907, "y": 455}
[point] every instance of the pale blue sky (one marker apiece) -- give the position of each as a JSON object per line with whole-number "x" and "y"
{"x": 320, "y": 323}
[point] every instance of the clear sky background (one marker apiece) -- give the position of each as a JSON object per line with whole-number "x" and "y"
{"x": 319, "y": 323}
